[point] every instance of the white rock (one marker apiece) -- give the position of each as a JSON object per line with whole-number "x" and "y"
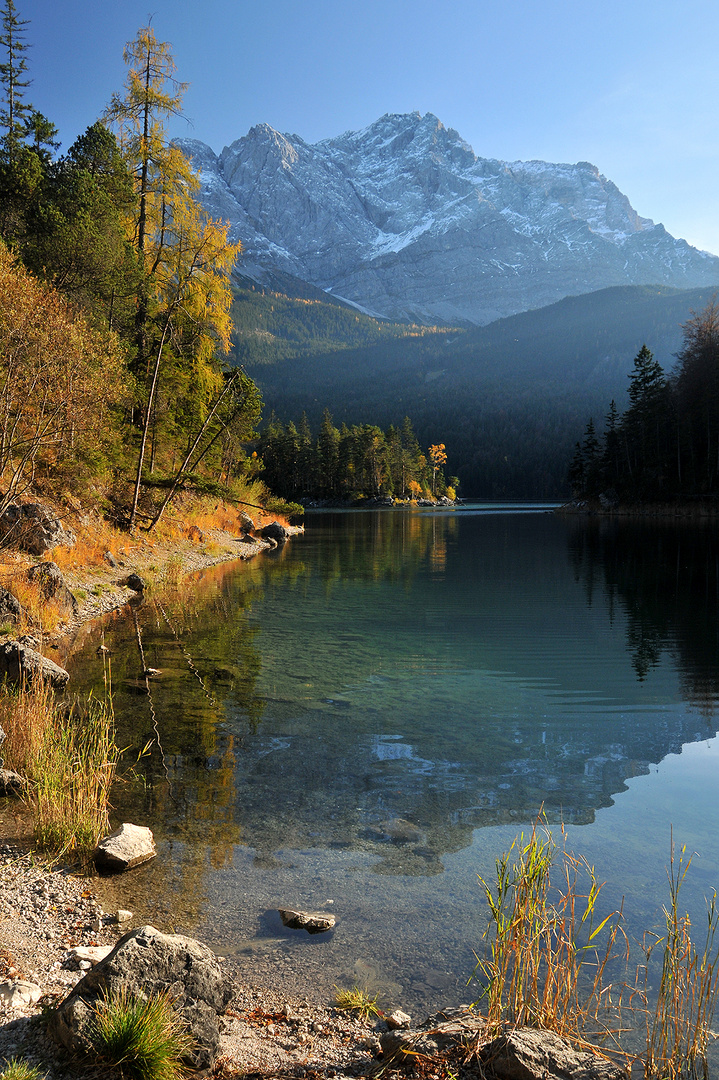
{"x": 15, "y": 995}
{"x": 128, "y": 846}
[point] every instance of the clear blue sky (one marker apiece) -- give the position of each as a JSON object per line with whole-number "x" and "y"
{"x": 630, "y": 85}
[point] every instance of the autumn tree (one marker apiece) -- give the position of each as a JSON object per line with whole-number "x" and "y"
{"x": 185, "y": 259}
{"x": 59, "y": 384}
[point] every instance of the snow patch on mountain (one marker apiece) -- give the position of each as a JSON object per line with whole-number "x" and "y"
{"x": 403, "y": 219}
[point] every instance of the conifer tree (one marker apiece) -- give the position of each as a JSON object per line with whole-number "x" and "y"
{"x": 15, "y": 112}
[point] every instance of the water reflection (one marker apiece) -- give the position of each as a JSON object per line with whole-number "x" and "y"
{"x": 349, "y": 717}
{"x": 665, "y": 574}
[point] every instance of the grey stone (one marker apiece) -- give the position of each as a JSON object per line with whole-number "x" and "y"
{"x": 146, "y": 962}
{"x": 19, "y": 662}
{"x": 110, "y": 559}
{"x": 129, "y": 845}
{"x": 247, "y": 525}
{"x": 11, "y": 609}
{"x": 314, "y": 922}
{"x": 48, "y": 576}
{"x": 34, "y": 528}
{"x": 531, "y": 1054}
{"x": 274, "y": 531}
{"x": 11, "y": 783}
{"x": 19, "y": 993}
{"x": 398, "y": 1020}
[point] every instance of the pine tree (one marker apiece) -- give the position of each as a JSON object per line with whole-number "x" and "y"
{"x": 15, "y": 113}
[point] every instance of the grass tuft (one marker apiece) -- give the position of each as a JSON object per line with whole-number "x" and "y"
{"x": 358, "y": 1001}
{"x": 17, "y": 1069}
{"x": 69, "y": 757}
{"x": 146, "y": 1039}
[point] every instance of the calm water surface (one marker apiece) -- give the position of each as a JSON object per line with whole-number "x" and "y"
{"x": 364, "y": 720}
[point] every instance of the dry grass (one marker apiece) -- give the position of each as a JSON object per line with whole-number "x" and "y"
{"x": 68, "y": 756}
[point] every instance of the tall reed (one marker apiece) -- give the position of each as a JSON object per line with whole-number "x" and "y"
{"x": 68, "y": 756}
{"x": 547, "y": 955}
{"x": 679, "y": 1028}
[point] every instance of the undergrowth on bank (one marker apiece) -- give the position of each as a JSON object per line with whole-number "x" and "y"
{"x": 68, "y": 757}
{"x": 145, "y": 1038}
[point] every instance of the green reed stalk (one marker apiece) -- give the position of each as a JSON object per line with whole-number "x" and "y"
{"x": 679, "y": 1028}
{"x": 544, "y": 966}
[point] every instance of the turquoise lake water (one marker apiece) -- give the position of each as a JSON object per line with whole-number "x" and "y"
{"x": 362, "y": 721}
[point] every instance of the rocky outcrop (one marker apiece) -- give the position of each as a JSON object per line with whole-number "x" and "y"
{"x": 129, "y": 845}
{"x": 48, "y": 577}
{"x": 146, "y": 962}
{"x": 34, "y": 528}
{"x": 406, "y": 221}
{"x": 20, "y": 663}
{"x": 11, "y": 610}
{"x": 12, "y": 785}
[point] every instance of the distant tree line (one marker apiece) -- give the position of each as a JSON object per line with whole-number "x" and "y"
{"x": 666, "y": 444}
{"x": 350, "y": 463}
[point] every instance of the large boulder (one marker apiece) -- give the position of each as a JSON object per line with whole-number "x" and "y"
{"x": 531, "y": 1054}
{"x": 146, "y": 962}
{"x": 20, "y": 663}
{"x": 48, "y": 577}
{"x": 33, "y": 527}
{"x": 274, "y": 531}
{"x": 521, "y": 1054}
{"x": 129, "y": 845}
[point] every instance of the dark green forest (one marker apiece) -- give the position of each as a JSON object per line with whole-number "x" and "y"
{"x": 508, "y": 399}
{"x": 351, "y": 463}
{"x": 665, "y": 444}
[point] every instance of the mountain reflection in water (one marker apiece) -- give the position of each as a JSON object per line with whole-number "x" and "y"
{"x": 391, "y": 682}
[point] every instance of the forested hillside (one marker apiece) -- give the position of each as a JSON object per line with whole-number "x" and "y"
{"x": 114, "y": 307}
{"x": 507, "y": 399}
{"x": 272, "y": 326}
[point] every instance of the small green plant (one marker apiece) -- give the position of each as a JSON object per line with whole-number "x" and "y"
{"x": 358, "y": 1001}
{"x": 16, "y": 1069}
{"x": 145, "y": 1038}
{"x": 543, "y": 966}
{"x": 679, "y": 1028}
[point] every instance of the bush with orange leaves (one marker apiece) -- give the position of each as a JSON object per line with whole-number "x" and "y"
{"x": 59, "y": 381}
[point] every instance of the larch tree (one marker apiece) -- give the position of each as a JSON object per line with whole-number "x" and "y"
{"x": 185, "y": 259}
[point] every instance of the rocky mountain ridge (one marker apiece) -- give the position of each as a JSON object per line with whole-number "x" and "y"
{"x": 403, "y": 220}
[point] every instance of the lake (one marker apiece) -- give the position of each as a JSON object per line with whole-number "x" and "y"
{"x": 363, "y": 720}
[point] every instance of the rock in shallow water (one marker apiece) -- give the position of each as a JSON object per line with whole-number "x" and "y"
{"x": 314, "y": 922}
{"x": 128, "y": 846}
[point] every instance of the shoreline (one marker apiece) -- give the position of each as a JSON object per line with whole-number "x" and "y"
{"x": 47, "y": 909}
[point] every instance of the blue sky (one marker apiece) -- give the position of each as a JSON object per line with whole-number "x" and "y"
{"x": 630, "y": 85}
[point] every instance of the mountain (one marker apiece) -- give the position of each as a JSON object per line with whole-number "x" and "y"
{"x": 509, "y": 399}
{"x": 404, "y": 221}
